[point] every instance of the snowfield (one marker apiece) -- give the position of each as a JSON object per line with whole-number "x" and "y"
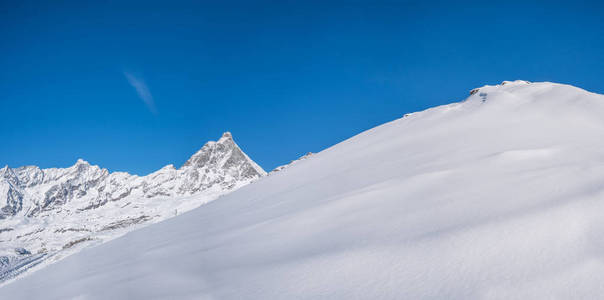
{"x": 500, "y": 196}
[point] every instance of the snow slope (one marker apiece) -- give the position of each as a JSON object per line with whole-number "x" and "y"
{"x": 500, "y": 196}
{"x": 291, "y": 163}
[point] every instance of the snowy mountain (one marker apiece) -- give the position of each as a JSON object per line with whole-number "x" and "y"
{"x": 54, "y": 212}
{"x": 499, "y": 196}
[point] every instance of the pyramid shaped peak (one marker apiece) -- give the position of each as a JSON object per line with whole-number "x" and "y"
{"x": 223, "y": 154}
{"x": 210, "y": 149}
{"x": 227, "y": 136}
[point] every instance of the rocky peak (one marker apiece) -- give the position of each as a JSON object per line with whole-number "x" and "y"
{"x": 11, "y": 195}
{"x": 8, "y": 175}
{"x": 220, "y": 163}
{"x": 226, "y": 135}
{"x": 223, "y": 154}
{"x": 81, "y": 162}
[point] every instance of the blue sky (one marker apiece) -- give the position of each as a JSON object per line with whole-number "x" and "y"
{"x": 133, "y": 86}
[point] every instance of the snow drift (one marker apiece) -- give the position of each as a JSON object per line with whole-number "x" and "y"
{"x": 500, "y": 196}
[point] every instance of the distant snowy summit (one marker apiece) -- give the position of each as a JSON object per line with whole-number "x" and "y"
{"x": 30, "y": 191}
{"x": 46, "y": 211}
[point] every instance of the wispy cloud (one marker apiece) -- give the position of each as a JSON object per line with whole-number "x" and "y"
{"x": 142, "y": 90}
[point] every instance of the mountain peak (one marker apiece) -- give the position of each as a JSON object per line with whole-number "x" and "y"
{"x": 226, "y": 137}
{"x": 81, "y": 162}
{"x": 7, "y": 171}
{"x": 224, "y": 154}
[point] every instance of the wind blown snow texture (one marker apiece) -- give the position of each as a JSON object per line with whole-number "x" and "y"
{"x": 500, "y": 196}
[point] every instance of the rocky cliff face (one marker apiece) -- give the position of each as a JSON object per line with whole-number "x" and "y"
{"x": 49, "y": 211}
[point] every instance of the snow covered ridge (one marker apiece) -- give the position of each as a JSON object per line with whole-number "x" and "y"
{"x": 283, "y": 167}
{"x": 515, "y": 82}
{"x": 47, "y": 212}
{"x": 500, "y": 196}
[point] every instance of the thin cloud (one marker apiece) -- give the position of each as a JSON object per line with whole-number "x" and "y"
{"x": 142, "y": 90}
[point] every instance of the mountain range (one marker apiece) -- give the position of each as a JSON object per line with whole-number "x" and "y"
{"x": 49, "y": 213}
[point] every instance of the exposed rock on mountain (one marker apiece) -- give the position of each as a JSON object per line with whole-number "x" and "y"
{"x": 46, "y": 210}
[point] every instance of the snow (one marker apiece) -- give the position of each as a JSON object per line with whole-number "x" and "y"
{"x": 56, "y": 212}
{"x": 283, "y": 167}
{"x": 496, "y": 197}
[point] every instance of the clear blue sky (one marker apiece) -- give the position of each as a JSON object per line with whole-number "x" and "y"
{"x": 133, "y": 86}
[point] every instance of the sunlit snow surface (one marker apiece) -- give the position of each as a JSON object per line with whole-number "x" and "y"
{"x": 497, "y": 197}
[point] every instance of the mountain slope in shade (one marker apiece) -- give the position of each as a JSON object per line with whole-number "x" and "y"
{"x": 49, "y": 213}
{"x": 496, "y": 197}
